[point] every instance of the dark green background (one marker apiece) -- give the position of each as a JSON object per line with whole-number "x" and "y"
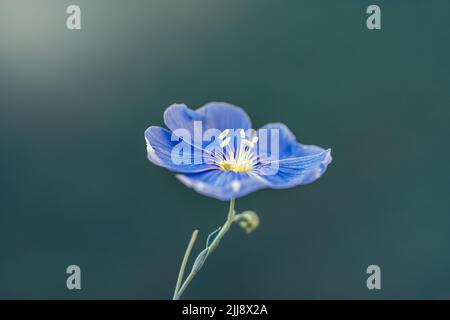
{"x": 76, "y": 187}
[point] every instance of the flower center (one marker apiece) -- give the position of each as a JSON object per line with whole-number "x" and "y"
{"x": 243, "y": 158}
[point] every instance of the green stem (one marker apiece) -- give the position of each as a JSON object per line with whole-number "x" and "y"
{"x": 185, "y": 260}
{"x": 214, "y": 244}
{"x": 225, "y": 227}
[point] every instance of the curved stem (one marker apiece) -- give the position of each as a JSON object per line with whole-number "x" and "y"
{"x": 214, "y": 244}
{"x": 225, "y": 227}
{"x": 185, "y": 260}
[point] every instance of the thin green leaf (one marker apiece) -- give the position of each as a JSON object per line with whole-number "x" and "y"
{"x": 212, "y": 236}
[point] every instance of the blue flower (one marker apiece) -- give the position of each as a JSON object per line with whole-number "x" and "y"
{"x": 235, "y": 160}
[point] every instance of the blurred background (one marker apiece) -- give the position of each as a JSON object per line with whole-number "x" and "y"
{"x": 76, "y": 187}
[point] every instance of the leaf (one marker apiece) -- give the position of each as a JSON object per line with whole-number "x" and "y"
{"x": 212, "y": 236}
{"x": 200, "y": 260}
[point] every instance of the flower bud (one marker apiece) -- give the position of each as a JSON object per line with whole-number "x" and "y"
{"x": 248, "y": 220}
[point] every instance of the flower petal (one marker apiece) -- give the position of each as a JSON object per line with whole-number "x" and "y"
{"x": 298, "y": 163}
{"x": 214, "y": 115}
{"x": 223, "y": 185}
{"x": 289, "y": 172}
{"x": 179, "y": 116}
{"x": 286, "y": 139}
{"x": 222, "y": 115}
{"x": 165, "y": 151}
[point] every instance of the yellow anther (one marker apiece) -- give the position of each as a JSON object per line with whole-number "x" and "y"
{"x": 244, "y": 166}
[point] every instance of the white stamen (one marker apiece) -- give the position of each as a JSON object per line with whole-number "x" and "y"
{"x": 238, "y": 158}
{"x": 247, "y": 143}
{"x": 224, "y": 133}
{"x": 225, "y": 142}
